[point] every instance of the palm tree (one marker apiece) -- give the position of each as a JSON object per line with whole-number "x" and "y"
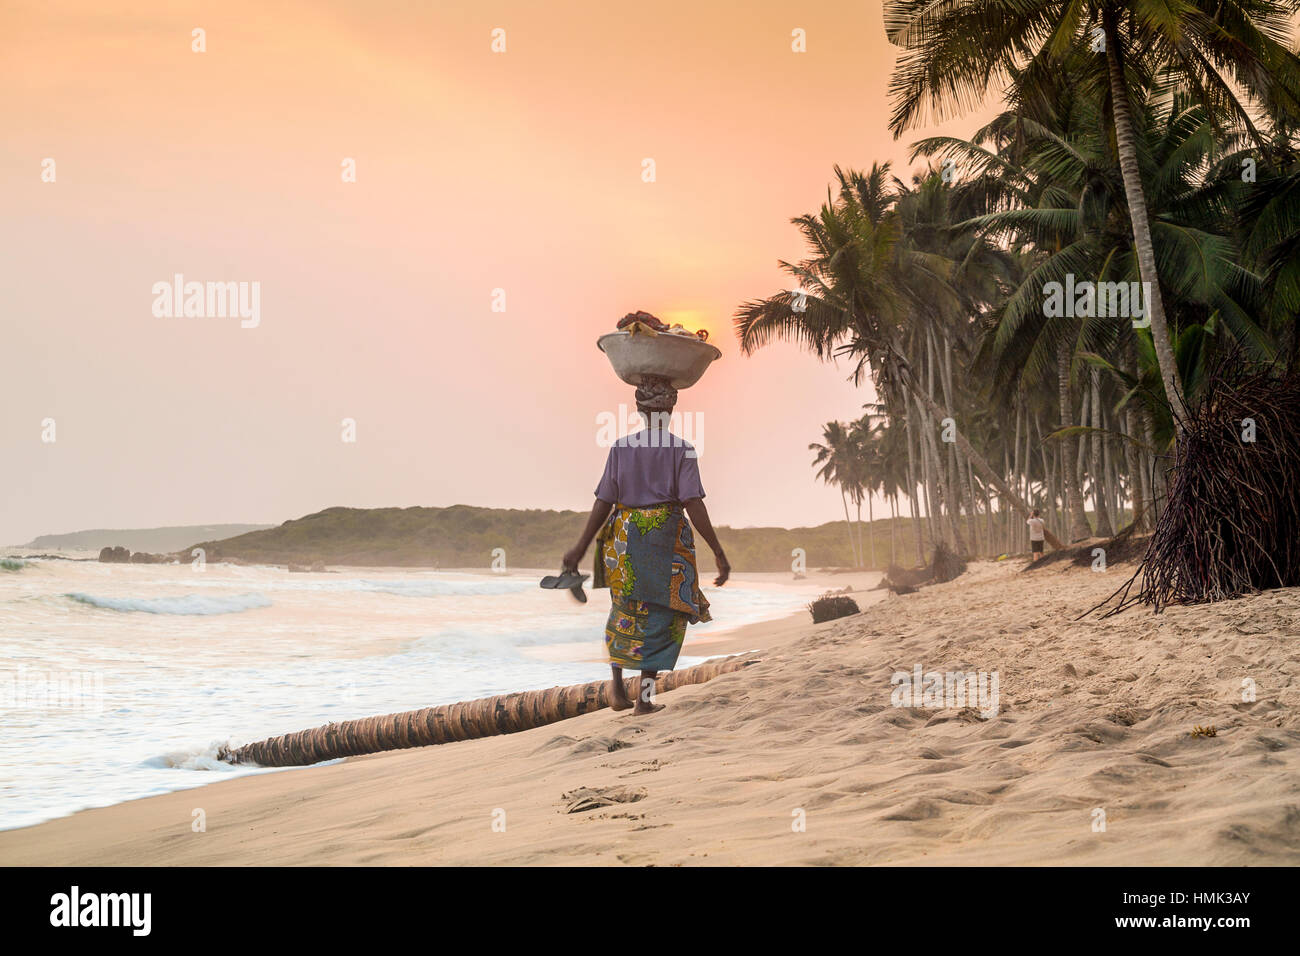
{"x": 835, "y": 455}
{"x": 1042, "y": 178}
{"x": 865, "y": 437}
{"x": 956, "y": 50}
{"x": 891, "y": 456}
{"x": 863, "y": 292}
{"x": 1268, "y": 224}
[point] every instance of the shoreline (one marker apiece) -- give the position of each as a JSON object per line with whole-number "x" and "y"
{"x": 282, "y": 653}
{"x": 185, "y": 765}
{"x": 1095, "y": 714}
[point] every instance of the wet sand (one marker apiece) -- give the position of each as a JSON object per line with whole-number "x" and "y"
{"x": 805, "y": 759}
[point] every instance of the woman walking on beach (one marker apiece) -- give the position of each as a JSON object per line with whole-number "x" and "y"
{"x": 645, "y": 550}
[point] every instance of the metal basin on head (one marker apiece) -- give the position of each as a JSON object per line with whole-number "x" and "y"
{"x": 679, "y": 358}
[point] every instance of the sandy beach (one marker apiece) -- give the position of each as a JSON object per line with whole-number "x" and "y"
{"x": 802, "y": 759}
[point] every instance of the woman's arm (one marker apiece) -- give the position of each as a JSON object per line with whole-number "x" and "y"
{"x": 699, "y": 516}
{"x": 599, "y": 512}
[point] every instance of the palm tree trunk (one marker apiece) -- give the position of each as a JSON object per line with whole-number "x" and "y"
{"x": 1100, "y": 474}
{"x": 947, "y": 496}
{"x": 980, "y": 546}
{"x": 942, "y": 462}
{"x": 1047, "y": 457}
{"x": 1114, "y": 507}
{"x": 1016, "y": 470}
{"x": 1076, "y": 517}
{"x": 1004, "y": 507}
{"x": 893, "y": 529}
{"x": 1126, "y": 145}
{"x": 1141, "y": 491}
{"x": 1055, "y": 465}
{"x": 927, "y": 478}
{"x": 849, "y": 524}
{"x": 1158, "y": 484}
{"x": 1081, "y": 454}
{"x": 1031, "y": 426}
{"x": 871, "y": 533}
{"x": 485, "y": 717}
{"x": 1133, "y": 454}
{"x": 912, "y": 492}
{"x": 862, "y": 559}
{"x": 905, "y": 375}
{"x": 952, "y": 457}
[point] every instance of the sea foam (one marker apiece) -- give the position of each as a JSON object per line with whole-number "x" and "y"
{"x": 179, "y": 604}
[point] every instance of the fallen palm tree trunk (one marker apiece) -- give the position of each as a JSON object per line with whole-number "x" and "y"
{"x": 485, "y": 717}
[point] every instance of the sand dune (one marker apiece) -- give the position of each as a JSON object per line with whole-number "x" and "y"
{"x": 1094, "y": 715}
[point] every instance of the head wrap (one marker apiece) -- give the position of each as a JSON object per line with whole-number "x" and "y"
{"x": 655, "y": 394}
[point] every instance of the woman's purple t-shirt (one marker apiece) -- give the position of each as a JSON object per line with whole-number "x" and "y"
{"x": 650, "y": 467}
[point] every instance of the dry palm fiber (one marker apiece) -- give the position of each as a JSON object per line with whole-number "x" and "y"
{"x": 1231, "y": 525}
{"x": 1127, "y": 546}
{"x": 485, "y": 717}
{"x": 830, "y": 606}
{"x": 945, "y": 565}
{"x": 913, "y": 578}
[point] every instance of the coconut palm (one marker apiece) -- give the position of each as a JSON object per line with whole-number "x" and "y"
{"x": 865, "y": 437}
{"x": 1044, "y": 174}
{"x": 864, "y": 293}
{"x": 835, "y": 455}
{"x": 1218, "y": 49}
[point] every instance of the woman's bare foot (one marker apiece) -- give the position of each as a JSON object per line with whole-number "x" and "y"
{"x": 645, "y": 699}
{"x": 618, "y": 699}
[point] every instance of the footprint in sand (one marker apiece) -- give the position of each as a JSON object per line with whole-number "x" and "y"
{"x": 585, "y": 799}
{"x": 921, "y": 808}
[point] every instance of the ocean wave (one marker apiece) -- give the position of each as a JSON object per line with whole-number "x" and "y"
{"x": 195, "y": 758}
{"x": 468, "y": 588}
{"x": 12, "y": 564}
{"x": 180, "y": 604}
{"x": 208, "y": 758}
{"x": 429, "y": 587}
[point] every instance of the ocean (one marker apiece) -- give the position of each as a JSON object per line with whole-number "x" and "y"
{"x": 118, "y": 681}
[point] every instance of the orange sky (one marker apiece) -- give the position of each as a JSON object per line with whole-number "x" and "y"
{"x": 475, "y": 171}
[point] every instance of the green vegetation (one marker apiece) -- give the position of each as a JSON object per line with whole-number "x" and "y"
{"x": 137, "y": 539}
{"x": 465, "y": 537}
{"x": 1143, "y": 147}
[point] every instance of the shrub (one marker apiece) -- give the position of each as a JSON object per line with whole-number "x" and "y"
{"x": 945, "y": 565}
{"x": 830, "y": 606}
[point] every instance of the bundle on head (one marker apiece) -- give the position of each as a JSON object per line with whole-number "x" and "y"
{"x": 945, "y": 564}
{"x": 645, "y": 318}
{"x": 830, "y": 606}
{"x": 1232, "y": 521}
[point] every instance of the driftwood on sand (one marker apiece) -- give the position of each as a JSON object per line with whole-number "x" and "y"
{"x": 466, "y": 720}
{"x": 944, "y": 566}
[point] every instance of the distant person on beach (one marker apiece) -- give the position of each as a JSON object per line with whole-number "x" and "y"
{"x": 645, "y": 550}
{"x": 1036, "y": 526}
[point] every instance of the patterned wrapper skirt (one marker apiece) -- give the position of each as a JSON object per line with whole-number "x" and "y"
{"x": 646, "y": 557}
